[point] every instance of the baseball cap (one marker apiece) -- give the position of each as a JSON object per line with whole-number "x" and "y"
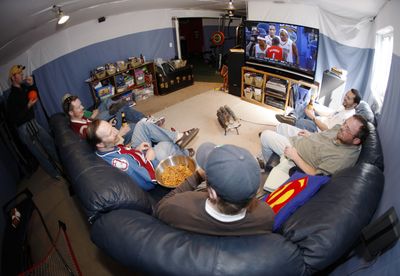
{"x": 16, "y": 69}
{"x": 231, "y": 171}
{"x": 66, "y": 96}
{"x": 261, "y": 38}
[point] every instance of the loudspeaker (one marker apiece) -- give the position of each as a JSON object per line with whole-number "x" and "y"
{"x": 235, "y": 63}
{"x": 381, "y": 234}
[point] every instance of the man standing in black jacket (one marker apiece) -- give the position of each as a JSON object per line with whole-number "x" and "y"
{"x": 20, "y": 103}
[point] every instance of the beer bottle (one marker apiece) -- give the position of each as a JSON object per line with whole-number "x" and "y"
{"x": 123, "y": 119}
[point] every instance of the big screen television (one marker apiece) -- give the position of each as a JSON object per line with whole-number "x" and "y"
{"x": 291, "y": 50}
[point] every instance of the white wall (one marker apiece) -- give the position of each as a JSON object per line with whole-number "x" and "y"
{"x": 78, "y": 36}
{"x": 389, "y": 15}
{"x": 346, "y": 31}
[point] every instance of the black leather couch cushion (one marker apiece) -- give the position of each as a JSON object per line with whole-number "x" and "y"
{"x": 328, "y": 225}
{"x": 371, "y": 151}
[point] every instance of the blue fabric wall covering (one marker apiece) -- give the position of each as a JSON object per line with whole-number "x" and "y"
{"x": 356, "y": 61}
{"x": 69, "y": 72}
{"x": 389, "y": 133}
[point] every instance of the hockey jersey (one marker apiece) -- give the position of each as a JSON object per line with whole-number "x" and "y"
{"x": 134, "y": 163}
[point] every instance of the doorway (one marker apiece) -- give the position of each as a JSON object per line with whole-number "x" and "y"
{"x": 197, "y": 47}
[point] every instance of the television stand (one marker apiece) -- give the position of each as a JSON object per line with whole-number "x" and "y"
{"x": 270, "y": 90}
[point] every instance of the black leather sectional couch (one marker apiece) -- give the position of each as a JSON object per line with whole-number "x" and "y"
{"x": 312, "y": 239}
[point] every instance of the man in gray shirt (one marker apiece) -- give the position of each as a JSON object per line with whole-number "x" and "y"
{"x": 325, "y": 152}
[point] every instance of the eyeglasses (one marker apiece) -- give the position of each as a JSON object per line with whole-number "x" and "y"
{"x": 346, "y": 128}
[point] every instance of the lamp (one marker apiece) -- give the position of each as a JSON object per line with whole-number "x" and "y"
{"x": 230, "y": 9}
{"x": 62, "y": 18}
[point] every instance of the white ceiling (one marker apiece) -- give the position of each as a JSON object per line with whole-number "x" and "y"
{"x": 24, "y": 22}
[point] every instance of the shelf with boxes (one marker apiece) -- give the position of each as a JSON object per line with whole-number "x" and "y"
{"x": 173, "y": 75}
{"x": 269, "y": 90}
{"x": 133, "y": 79}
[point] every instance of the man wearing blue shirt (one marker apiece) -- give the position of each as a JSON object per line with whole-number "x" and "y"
{"x": 140, "y": 159}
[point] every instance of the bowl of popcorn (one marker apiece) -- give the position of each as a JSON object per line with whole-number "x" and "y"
{"x": 172, "y": 171}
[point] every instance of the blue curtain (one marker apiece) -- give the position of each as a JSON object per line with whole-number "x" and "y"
{"x": 68, "y": 73}
{"x": 389, "y": 133}
{"x": 357, "y": 62}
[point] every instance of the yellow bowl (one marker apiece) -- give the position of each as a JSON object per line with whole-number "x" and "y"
{"x": 172, "y": 161}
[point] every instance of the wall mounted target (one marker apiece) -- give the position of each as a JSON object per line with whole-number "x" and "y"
{"x": 217, "y": 38}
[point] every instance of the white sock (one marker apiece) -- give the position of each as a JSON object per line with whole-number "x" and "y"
{"x": 179, "y": 135}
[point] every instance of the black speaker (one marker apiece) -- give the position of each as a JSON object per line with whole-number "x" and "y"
{"x": 381, "y": 234}
{"x": 235, "y": 63}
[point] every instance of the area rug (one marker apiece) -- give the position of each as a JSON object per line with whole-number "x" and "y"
{"x": 200, "y": 111}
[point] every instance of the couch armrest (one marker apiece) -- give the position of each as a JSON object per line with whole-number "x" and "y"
{"x": 331, "y": 222}
{"x": 146, "y": 244}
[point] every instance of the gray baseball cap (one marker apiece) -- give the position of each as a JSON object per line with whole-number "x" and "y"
{"x": 231, "y": 171}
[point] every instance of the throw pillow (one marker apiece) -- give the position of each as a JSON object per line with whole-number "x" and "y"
{"x": 292, "y": 194}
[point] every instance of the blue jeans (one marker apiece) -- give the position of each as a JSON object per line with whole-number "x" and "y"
{"x": 131, "y": 114}
{"x": 36, "y": 138}
{"x": 306, "y": 124}
{"x": 165, "y": 139}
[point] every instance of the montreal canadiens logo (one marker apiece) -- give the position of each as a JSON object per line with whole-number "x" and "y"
{"x": 121, "y": 164}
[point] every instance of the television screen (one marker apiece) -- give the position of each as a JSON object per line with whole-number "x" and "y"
{"x": 283, "y": 48}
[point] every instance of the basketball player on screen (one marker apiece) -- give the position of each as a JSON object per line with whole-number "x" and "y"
{"x": 275, "y": 51}
{"x": 290, "y": 53}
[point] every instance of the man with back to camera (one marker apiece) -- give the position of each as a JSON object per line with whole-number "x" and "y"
{"x": 325, "y": 152}
{"x": 229, "y": 206}
{"x": 290, "y": 53}
{"x": 328, "y": 118}
{"x": 271, "y": 35}
{"x": 140, "y": 159}
{"x": 20, "y": 107}
{"x": 275, "y": 51}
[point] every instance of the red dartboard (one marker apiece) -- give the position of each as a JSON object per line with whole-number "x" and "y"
{"x": 217, "y": 38}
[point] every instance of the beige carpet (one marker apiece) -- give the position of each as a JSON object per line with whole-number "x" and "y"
{"x": 200, "y": 111}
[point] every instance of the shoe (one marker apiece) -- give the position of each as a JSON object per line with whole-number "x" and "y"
{"x": 261, "y": 162}
{"x": 157, "y": 121}
{"x": 286, "y": 119}
{"x": 115, "y": 107}
{"x": 187, "y": 137}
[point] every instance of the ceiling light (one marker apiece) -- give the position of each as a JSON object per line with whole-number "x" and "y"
{"x": 231, "y": 8}
{"x": 62, "y": 18}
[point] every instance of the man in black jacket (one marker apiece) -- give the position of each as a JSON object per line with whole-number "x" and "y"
{"x": 20, "y": 104}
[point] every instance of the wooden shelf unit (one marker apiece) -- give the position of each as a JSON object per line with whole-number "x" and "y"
{"x": 267, "y": 89}
{"x": 121, "y": 91}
